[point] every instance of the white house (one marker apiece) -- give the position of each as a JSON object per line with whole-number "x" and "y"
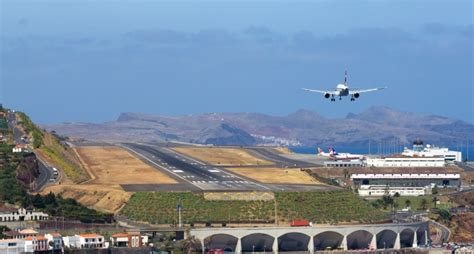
{"x": 131, "y": 240}
{"x": 36, "y": 243}
{"x": 85, "y": 241}
{"x": 12, "y": 246}
{"x": 13, "y": 214}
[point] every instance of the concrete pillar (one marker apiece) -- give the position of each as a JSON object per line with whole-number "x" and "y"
{"x": 275, "y": 245}
{"x": 344, "y": 243}
{"x": 396, "y": 245}
{"x": 311, "y": 245}
{"x": 203, "y": 246}
{"x": 238, "y": 247}
{"x": 415, "y": 240}
{"x": 373, "y": 243}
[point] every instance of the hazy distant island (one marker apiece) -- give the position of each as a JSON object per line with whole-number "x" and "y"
{"x": 301, "y": 128}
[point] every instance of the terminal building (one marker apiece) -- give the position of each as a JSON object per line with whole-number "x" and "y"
{"x": 419, "y": 150}
{"x": 402, "y": 161}
{"x": 449, "y": 180}
{"x": 405, "y": 184}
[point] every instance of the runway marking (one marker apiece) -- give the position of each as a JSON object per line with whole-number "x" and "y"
{"x": 178, "y": 171}
{"x": 214, "y": 170}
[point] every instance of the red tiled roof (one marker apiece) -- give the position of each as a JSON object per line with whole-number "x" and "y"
{"x": 90, "y": 235}
{"x": 37, "y": 238}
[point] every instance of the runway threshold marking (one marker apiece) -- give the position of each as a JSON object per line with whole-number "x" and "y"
{"x": 158, "y": 165}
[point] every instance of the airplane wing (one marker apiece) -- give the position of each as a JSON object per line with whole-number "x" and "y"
{"x": 354, "y": 91}
{"x": 317, "y": 91}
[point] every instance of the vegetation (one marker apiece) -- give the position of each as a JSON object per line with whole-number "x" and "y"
{"x": 416, "y": 203}
{"x": 160, "y": 208}
{"x": 12, "y": 192}
{"x": 318, "y": 207}
{"x": 2, "y": 230}
{"x": 30, "y": 127}
{"x": 326, "y": 207}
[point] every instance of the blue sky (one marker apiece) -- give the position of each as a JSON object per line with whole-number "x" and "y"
{"x": 90, "y": 60}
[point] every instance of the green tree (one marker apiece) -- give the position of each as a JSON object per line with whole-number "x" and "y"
{"x": 434, "y": 190}
{"x": 407, "y": 203}
{"x": 424, "y": 203}
{"x": 435, "y": 201}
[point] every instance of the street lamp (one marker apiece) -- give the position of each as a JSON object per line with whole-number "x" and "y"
{"x": 253, "y": 249}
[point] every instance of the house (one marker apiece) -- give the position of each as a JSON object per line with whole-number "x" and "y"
{"x": 12, "y": 246}
{"x": 19, "y": 148}
{"x": 22, "y": 234}
{"x": 35, "y": 244}
{"x": 85, "y": 241}
{"x": 130, "y": 240}
{"x": 8, "y": 213}
{"x": 56, "y": 241}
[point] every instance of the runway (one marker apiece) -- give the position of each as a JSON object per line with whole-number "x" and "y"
{"x": 196, "y": 175}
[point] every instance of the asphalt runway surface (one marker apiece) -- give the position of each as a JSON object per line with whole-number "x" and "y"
{"x": 196, "y": 175}
{"x": 272, "y": 155}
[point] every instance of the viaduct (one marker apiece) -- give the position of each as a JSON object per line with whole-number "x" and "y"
{"x": 314, "y": 238}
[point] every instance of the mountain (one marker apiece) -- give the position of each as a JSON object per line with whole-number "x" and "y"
{"x": 303, "y": 127}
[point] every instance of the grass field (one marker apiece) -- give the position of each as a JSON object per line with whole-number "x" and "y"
{"x": 222, "y": 156}
{"x": 114, "y": 165}
{"x": 318, "y": 207}
{"x": 276, "y": 175}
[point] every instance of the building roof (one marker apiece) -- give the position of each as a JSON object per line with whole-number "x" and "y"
{"x": 406, "y": 170}
{"x": 7, "y": 209}
{"x": 37, "y": 238}
{"x": 11, "y": 233}
{"x": 28, "y": 231}
{"x": 121, "y": 235}
{"x": 92, "y": 235}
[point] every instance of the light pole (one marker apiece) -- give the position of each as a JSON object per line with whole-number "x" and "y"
{"x": 253, "y": 249}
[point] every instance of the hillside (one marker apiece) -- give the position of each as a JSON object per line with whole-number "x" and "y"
{"x": 303, "y": 127}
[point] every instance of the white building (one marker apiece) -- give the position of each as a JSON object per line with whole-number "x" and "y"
{"x": 450, "y": 180}
{"x": 35, "y": 244}
{"x": 12, "y": 214}
{"x": 419, "y": 150}
{"x": 12, "y": 246}
{"x": 130, "y": 240}
{"x": 380, "y": 190}
{"x": 406, "y": 162}
{"x": 85, "y": 241}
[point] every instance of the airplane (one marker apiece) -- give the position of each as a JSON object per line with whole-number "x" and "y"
{"x": 339, "y": 156}
{"x": 343, "y": 90}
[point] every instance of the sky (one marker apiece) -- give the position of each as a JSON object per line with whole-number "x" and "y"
{"x": 88, "y": 61}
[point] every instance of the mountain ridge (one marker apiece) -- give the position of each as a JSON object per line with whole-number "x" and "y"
{"x": 303, "y": 127}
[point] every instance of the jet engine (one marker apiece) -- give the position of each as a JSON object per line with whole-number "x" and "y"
{"x": 356, "y": 95}
{"x": 327, "y": 95}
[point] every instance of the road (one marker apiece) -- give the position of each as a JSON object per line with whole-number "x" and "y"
{"x": 45, "y": 172}
{"x": 42, "y": 180}
{"x": 202, "y": 176}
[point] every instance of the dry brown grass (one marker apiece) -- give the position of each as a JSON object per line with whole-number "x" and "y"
{"x": 108, "y": 167}
{"x": 276, "y": 175}
{"x": 106, "y": 198}
{"x": 114, "y": 165}
{"x": 222, "y": 156}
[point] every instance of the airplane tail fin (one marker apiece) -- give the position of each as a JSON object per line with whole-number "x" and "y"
{"x": 345, "y": 77}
